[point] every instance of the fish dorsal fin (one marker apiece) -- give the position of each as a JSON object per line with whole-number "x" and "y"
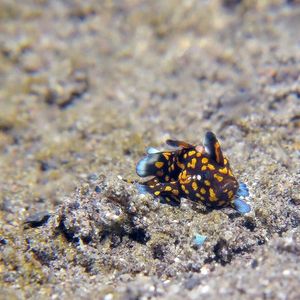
{"x": 179, "y": 144}
{"x": 213, "y": 148}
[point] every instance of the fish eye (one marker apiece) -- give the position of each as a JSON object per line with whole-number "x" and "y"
{"x": 197, "y": 177}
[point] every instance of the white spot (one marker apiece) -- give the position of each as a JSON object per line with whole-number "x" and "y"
{"x": 177, "y": 260}
{"x": 205, "y": 289}
{"x": 204, "y": 270}
{"x": 199, "y": 148}
{"x": 199, "y": 177}
{"x": 108, "y": 297}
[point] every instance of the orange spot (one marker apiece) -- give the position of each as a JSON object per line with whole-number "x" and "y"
{"x": 191, "y": 153}
{"x": 230, "y": 194}
{"x": 183, "y": 187}
{"x": 204, "y": 160}
{"x": 183, "y": 178}
{"x": 193, "y": 163}
{"x": 200, "y": 197}
{"x": 194, "y": 186}
{"x": 230, "y": 173}
{"x": 218, "y": 177}
{"x": 211, "y": 167}
{"x": 198, "y": 154}
{"x": 159, "y": 164}
{"x": 168, "y": 188}
{"x": 180, "y": 165}
{"x": 202, "y": 191}
{"x": 185, "y": 155}
{"x": 156, "y": 193}
{"x": 212, "y": 195}
{"x": 167, "y": 155}
{"x": 225, "y": 161}
{"x": 203, "y": 168}
{"x": 223, "y": 171}
{"x": 217, "y": 151}
{"x": 206, "y": 182}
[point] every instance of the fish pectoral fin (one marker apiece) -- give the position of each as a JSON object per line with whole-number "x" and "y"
{"x": 241, "y": 206}
{"x": 142, "y": 189}
{"x": 147, "y": 186}
{"x": 179, "y": 144}
{"x": 243, "y": 190}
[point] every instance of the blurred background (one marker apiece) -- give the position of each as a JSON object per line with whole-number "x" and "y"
{"x": 85, "y": 86}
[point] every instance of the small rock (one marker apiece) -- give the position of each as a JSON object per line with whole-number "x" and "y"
{"x": 37, "y": 219}
{"x": 192, "y": 282}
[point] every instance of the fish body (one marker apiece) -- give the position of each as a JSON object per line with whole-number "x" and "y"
{"x": 198, "y": 173}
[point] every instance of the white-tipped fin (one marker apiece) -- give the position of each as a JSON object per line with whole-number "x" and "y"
{"x": 152, "y": 150}
{"x": 145, "y": 167}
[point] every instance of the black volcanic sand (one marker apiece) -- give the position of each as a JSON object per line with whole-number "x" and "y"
{"x": 86, "y": 87}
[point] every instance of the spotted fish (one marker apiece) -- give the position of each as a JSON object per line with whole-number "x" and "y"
{"x": 198, "y": 173}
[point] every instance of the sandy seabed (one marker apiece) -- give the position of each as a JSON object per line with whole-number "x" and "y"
{"x": 85, "y": 87}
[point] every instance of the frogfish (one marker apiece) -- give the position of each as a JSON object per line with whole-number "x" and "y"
{"x": 200, "y": 173}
